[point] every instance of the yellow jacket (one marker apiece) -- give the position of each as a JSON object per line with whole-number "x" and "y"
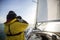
{"x": 15, "y": 27}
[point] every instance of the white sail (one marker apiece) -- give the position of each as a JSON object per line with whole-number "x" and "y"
{"x": 53, "y": 9}
{"x": 48, "y": 10}
{"x": 41, "y": 10}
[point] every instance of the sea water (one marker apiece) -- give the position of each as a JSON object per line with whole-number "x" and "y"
{"x": 2, "y": 34}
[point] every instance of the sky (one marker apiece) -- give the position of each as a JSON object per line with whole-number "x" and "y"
{"x": 24, "y": 8}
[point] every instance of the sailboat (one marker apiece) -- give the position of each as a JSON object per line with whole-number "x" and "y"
{"x": 48, "y": 19}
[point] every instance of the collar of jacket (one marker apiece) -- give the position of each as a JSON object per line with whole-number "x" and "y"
{"x": 11, "y": 21}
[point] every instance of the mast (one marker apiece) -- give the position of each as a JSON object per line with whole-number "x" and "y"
{"x": 36, "y": 15}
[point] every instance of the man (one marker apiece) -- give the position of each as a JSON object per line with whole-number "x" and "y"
{"x": 14, "y": 29}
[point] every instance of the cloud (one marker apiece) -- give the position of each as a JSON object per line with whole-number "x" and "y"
{"x": 2, "y": 20}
